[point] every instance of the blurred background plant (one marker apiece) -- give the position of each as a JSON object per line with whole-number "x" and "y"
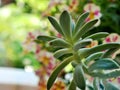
{"x": 21, "y": 21}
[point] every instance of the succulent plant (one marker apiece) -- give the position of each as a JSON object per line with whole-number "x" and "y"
{"x": 95, "y": 61}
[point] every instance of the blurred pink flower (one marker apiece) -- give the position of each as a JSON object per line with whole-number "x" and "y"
{"x": 59, "y": 85}
{"x": 73, "y": 5}
{"x": 94, "y": 43}
{"x": 113, "y": 38}
{"x": 94, "y": 12}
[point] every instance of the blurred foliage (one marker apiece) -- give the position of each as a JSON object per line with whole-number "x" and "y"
{"x": 22, "y": 16}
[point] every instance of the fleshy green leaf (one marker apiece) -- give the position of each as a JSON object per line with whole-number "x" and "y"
{"x": 79, "y": 78}
{"x": 93, "y": 57}
{"x": 72, "y": 25}
{"x": 80, "y": 21}
{"x": 59, "y": 43}
{"x": 98, "y": 35}
{"x": 109, "y": 53}
{"x": 84, "y": 29}
{"x": 88, "y": 51}
{"x": 56, "y": 25}
{"x": 65, "y": 22}
{"x": 106, "y": 74}
{"x": 82, "y": 43}
{"x": 96, "y": 83}
{"x": 62, "y": 52}
{"x": 57, "y": 70}
{"x": 72, "y": 86}
{"x": 109, "y": 86}
{"x": 45, "y": 38}
{"x": 104, "y": 64}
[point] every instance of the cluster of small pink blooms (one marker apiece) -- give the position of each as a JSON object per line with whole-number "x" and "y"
{"x": 94, "y": 11}
{"x": 113, "y": 38}
{"x": 93, "y": 43}
{"x": 29, "y": 44}
{"x": 73, "y": 5}
{"x": 47, "y": 61}
{"x": 52, "y": 4}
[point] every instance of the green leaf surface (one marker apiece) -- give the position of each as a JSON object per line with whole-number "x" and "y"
{"x": 62, "y": 52}
{"x": 98, "y": 35}
{"x": 59, "y": 43}
{"x": 65, "y": 22}
{"x": 56, "y": 25}
{"x": 80, "y": 22}
{"x": 96, "y": 83}
{"x": 88, "y": 51}
{"x": 45, "y": 38}
{"x": 72, "y": 86}
{"x": 79, "y": 78}
{"x": 106, "y": 74}
{"x": 72, "y": 25}
{"x": 84, "y": 29}
{"x": 57, "y": 70}
{"x": 93, "y": 57}
{"x": 109, "y": 53}
{"x": 82, "y": 43}
{"x": 109, "y": 86}
{"x": 104, "y": 64}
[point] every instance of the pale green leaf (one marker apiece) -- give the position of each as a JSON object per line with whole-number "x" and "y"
{"x": 79, "y": 78}
{"x": 59, "y": 43}
{"x": 93, "y": 57}
{"x": 98, "y": 35}
{"x": 72, "y": 86}
{"x": 82, "y": 43}
{"x": 84, "y": 29}
{"x": 80, "y": 21}
{"x": 45, "y": 38}
{"x": 96, "y": 83}
{"x": 88, "y": 51}
{"x": 56, "y": 25}
{"x": 65, "y": 22}
{"x": 109, "y": 53}
{"x": 104, "y": 64}
{"x": 57, "y": 70}
{"x": 62, "y": 52}
{"x": 109, "y": 86}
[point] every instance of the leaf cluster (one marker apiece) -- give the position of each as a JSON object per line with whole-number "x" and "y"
{"x": 95, "y": 61}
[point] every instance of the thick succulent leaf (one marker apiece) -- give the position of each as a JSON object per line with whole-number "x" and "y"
{"x": 45, "y": 38}
{"x": 79, "y": 78}
{"x": 74, "y": 63}
{"x": 88, "y": 51}
{"x": 84, "y": 29}
{"x": 104, "y": 64}
{"x": 57, "y": 70}
{"x": 62, "y": 52}
{"x": 82, "y": 43}
{"x": 109, "y": 53}
{"x": 72, "y": 86}
{"x": 109, "y": 86}
{"x": 93, "y": 57}
{"x": 65, "y": 22}
{"x": 106, "y": 74}
{"x": 98, "y": 35}
{"x": 72, "y": 25}
{"x": 59, "y": 43}
{"x": 56, "y": 25}
{"x": 117, "y": 58}
{"x": 37, "y": 41}
{"x": 96, "y": 83}
{"x": 80, "y": 21}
